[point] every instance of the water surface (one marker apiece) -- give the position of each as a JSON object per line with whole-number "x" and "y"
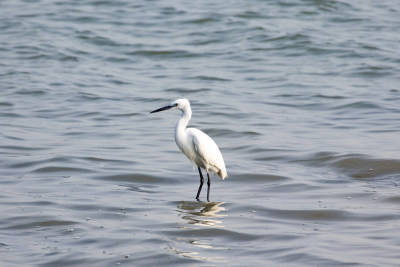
{"x": 302, "y": 98}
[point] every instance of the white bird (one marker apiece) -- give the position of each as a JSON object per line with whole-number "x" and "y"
{"x": 198, "y": 147}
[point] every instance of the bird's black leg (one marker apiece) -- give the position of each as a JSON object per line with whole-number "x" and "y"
{"x": 201, "y": 184}
{"x": 208, "y": 189}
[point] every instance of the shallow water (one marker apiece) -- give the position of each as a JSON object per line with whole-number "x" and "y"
{"x": 302, "y": 98}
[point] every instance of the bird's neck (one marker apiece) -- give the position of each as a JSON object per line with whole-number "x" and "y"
{"x": 183, "y": 121}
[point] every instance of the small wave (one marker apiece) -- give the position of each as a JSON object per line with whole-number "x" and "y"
{"x": 98, "y": 40}
{"x": 258, "y": 177}
{"x": 209, "y": 78}
{"x": 186, "y": 90}
{"x": 137, "y": 178}
{"x": 165, "y": 54}
{"x": 226, "y": 234}
{"x": 324, "y": 96}
{"x": 204, "y": 20}
{"x": 231, "y": 133}
{"x": 356, "y": 165}
{"x": 31, "y": 92}
{"x": 62, "y": 169}
{"x": 6, "y": 104}
{"x": 24, "y": 223}
{"x": 357, "y": 106}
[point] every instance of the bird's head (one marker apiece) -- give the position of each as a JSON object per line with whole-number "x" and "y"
{"x": 179, "y": 104}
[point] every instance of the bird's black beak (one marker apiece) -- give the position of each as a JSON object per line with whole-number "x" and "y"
{"x": 161, "y": 109}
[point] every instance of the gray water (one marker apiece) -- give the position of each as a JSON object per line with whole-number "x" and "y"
{"x": 302, "y": 97}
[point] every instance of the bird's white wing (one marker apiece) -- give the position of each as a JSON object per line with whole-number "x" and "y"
{"x": 208, "y": 151}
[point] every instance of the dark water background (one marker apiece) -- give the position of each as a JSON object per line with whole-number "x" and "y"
{"x": 301, "y": 96}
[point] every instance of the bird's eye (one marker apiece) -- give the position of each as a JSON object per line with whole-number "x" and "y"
{"x": 176, "y": 104}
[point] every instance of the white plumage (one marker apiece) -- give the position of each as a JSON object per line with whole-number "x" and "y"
{"x": 196, "y": 145}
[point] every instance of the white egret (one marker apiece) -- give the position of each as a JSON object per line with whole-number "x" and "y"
{"x": 196, "y": 145}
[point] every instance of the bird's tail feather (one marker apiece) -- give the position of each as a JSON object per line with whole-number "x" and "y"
{"x": 223, "y": 174}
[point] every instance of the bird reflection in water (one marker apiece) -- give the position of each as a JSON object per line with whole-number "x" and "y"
{"x": 201, "y": 213}
{"x": 197, "y": 216}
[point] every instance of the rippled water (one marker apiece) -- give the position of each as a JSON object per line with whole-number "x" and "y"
{"x": 302, "y": 98}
